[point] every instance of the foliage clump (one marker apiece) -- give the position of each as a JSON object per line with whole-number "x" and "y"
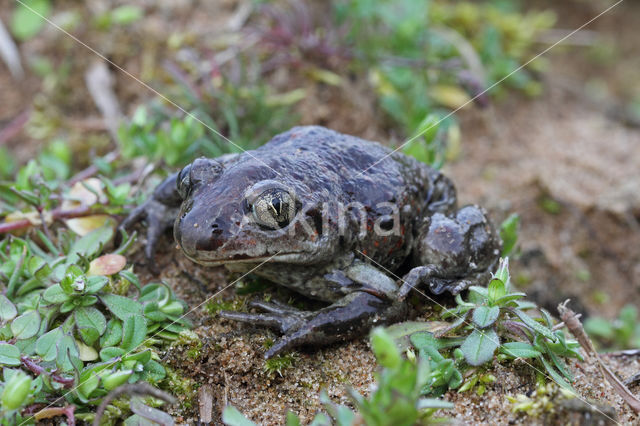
{"x": 493, "y": 321}
{"x": 396, "y": 400}
{"x": 64, "y": 331}
{"x": 621, "y": 333}
{"x": 427, "y": 58}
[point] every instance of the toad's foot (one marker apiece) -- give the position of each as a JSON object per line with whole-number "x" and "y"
{"x": 431, "y": 276}
{"x": 351, "y": 316}
{"x": 159, "y": 212}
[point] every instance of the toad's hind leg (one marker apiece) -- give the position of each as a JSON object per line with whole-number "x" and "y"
{"x": 349, "y": 317}
{"x": 454, "y": 252}
{"x": 431, "y": 277}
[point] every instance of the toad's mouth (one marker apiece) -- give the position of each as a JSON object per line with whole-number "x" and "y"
{"x": 243, "y": 258}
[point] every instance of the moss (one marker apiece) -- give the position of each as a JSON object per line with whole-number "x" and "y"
{"x": 543, "y": 401}
{"x": 186, "y": 387}
{"x": 280, "y": 363}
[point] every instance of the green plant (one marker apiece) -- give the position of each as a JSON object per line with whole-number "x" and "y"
{"x": 396, "y": 400}
{"x": 621, "y": 333}
{"x": 249, "y": 114}
{"x": 66, "y": 327}
{"x": 544, "y": 400}
{"x": 426, "y": 58}
{"x": 280, "y": 363}
{"x": 509, "y": 233}
{"x": 493, "y": 320}
{"x": 121, "y": 15}
{"x": 25, "y": 22}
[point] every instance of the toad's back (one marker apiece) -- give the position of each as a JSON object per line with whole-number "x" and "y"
{"x": 333, "y": 167}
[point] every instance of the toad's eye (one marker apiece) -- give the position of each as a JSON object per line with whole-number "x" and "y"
{"x": 184, "y": 182}
{"x": 274, "y": 208}
{"x": 201, "y": 171}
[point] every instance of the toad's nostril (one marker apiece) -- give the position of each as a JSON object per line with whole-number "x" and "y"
{"x": 216, "y": 241}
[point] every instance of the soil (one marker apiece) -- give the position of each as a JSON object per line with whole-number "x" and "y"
{"x": 564, "y": 161}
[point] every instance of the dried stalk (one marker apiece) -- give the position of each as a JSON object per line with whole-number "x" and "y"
{"x": 575, "y": 327}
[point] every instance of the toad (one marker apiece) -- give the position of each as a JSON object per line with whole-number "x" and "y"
{"x": 330, "y": 216}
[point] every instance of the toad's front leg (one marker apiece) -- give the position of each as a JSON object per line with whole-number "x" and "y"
{"x": 352, "y": 316}
{"x": 368, "y": 299}
{"x": 159, "y": 211}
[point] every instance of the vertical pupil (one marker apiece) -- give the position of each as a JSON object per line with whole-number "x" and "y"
{"x": 277, "y": 206}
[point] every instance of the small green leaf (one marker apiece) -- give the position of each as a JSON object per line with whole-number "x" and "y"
{"x": 142, "y": 357}
{"x": 88, "y": 385}
{"x": 524, "y": 305}
{"x": 600, "y": 327}
{"x": 67, "y": 351}
{"x": 39, "y": 268}
{"x": 89, "y": 335}
{"x": 26, "y": 19}
{"x": 152, "y": 312}
{"x": 478, "y": 295}
{"x": 95, "y": 284}
{"x": 107, "y": 354}
{"x": 422, "y": 148}
{"x": 90, "y": 244}
{"x": 560, "y": 365}
{"x": 86, "y": 353}
{"x": 86, "y": 300}
{"x": 90, "y": 317}
{"x": 555, "y": 375}
{"x": 116, "y": 379}
{"x": 122, "y": 307}
{"x": 496, "y": 290}
{"x": 153, "y": 372}
{"x": 385, "y": 348}
{"x": 519, "y": 350}
{"x": 502, "y": 301}
{"x": 321, "y": 419}
{"x": 131, "y": 277}
{"x": 46, "y": 344}
{"x": 232, "y": 417}
{"x": 16, "y": 391}
{"x": 67, "y": 306}
{"x": 134, "y": 330}
{"x": 484, "y": 316}
{"x": 55, "y": 294}
{"x": 173, "y": 308}
{"x": 533, "y": 324}
{"x": 479, "y": 346}
{"x": 509, "y": 233}
{"x": 292, "y": 419}
{"x": 9, "y": 355}
{"x": 427, "y": 342}
{"x": 8, "y": 310}
{"x": 26, "y": 325}
{"x": 113, "y": 333}
{"x": 126, "y": 14}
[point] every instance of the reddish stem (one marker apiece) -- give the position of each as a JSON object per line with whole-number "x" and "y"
{"x": 38, "y": 370}
{"x": 56, "y": 214}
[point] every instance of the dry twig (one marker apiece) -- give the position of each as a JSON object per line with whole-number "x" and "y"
{"x": 575, "y": 327}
